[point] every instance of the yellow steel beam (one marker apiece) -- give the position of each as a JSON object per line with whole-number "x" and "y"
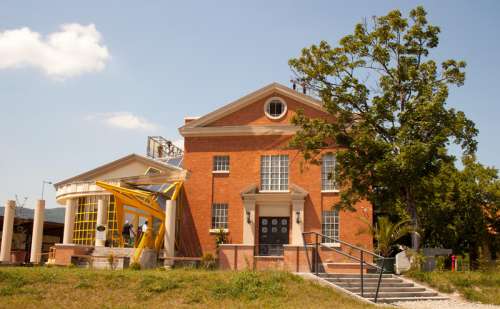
{"x": 177, "y": 190}
{"x": 169, "y": 187}
{"x": 134, "y": 198}
{"x": 159, "y": 237}
{"x": 140, "y": 247}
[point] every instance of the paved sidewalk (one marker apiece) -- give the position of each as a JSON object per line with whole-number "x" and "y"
{"x": 444, "y": 304}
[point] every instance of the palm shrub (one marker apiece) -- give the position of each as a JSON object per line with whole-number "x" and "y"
{"x": 387, "y": 234}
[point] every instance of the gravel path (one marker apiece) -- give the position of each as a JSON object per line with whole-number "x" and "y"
{"x": 444, "y": 304}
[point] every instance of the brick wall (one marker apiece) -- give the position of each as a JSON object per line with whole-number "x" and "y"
{"x": 64, "y": 252}
{"x": 204, "y": 188}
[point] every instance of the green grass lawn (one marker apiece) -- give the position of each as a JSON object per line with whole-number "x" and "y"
{"x": 42, "y": 287}
{"x": 476, "y": 286}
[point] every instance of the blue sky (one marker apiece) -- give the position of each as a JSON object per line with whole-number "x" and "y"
{"x": 156, "y": 62}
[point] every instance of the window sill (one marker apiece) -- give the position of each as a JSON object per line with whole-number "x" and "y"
{"x": 220, "y": 172}
{"x": 331, "y": 244}
{"x": 216, "y": 231}
{"x": 274, "y": 191}
{"x": 330, "y": 191}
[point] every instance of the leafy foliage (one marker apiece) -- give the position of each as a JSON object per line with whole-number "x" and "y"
{"x": 387, "y": 233}
{"x": 392, "y": 126}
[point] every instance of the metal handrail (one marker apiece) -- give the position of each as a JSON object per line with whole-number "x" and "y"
{"x": 361, "y": 260}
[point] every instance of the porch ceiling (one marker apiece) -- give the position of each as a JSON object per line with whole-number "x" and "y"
{"x": 294, "y": 193}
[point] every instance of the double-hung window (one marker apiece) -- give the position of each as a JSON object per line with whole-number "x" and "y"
{"x": 274, "y": 173}
{"x": 328, "y": 165}
{"x": 221, "y": 164}
{"x": 330, "y": 225}
{"x": 219, "y": 216}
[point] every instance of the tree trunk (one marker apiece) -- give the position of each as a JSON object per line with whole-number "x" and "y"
{"x": 473, "y": 256}
{"x": 411, "y": 208}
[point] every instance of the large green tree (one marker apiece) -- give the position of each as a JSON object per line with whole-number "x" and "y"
{"x": 463, "y": 210}
{"x": 388, "y": 97}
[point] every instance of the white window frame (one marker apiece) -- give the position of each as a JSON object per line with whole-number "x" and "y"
{"x": 334, "y": 215}
{"x": 268, "y": 103}
{"x": 220, "y": 216}
{"x": 329, "y": 165}
{"x": 274, "y": 173}
{"x": 220, "y": 164}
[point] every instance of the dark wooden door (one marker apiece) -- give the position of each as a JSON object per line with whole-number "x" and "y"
{"x": 273, "y": 234}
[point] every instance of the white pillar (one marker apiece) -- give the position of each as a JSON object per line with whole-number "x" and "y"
{"x": 69, "y": 221}
{"x": 37, "y": 235}
{"x": 102, "y": 211}
{"x": 8, "y": 226}
{"x": 170, "y": 229}
{"x": 297, "y": 228}
{"x": 249, "y": 227}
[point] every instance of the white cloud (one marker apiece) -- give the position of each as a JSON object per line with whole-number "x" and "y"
{"x": 74, "y": 50}
{"x": 124, "y": 120}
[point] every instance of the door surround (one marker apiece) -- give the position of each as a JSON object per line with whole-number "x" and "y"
{"x": 293, "y": 200}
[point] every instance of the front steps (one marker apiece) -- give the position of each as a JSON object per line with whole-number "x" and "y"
{"x": 392, "y": 288}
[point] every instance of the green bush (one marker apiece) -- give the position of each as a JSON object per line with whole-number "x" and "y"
{"x": 208, "y": 261}
{"x": 440, "y": 263}
{"x": 135, "y": 266}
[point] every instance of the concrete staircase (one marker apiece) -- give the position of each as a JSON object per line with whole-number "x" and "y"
{"x": 392, "y": 288}
{"x": 123, "y": 257}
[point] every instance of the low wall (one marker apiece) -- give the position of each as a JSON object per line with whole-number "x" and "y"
{"x": 240, "y": 257}
{"x": 295, "y": 258}
{"x": 236, "y": 257}
{"x": 63, "y": 253}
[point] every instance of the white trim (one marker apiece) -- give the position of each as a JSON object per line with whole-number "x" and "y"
{"x": 239, "y": 130}
{"x": 283, "y": 113}
{"x": 214, "y": 231}
{"x": 330, "y": 191}
{"x": 331, "y": 244}
{"x": 220, "y": 172}
{"x": 251, "y": 98}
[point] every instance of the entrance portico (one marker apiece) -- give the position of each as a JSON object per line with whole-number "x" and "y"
{"x": 273, "y": 219}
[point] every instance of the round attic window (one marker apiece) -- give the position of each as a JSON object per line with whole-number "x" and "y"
{"x": 275, "y": 108}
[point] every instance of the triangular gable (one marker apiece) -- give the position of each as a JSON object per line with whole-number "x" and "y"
{"x": 128, "y": 166}
{"x": 245, "y": 101}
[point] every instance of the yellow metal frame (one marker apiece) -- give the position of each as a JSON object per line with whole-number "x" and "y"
{"x": 145, "y": 201}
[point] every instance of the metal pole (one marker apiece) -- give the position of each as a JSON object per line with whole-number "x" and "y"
{"x": 380, "y": 278}
{"x": 361, "y": 271}
{"x": 317, "y": 256}
{"x": 43, "y": 186}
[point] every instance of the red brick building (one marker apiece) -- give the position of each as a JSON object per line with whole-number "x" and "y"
{"x": 246, "y": 180}
{"x": 237, "y": 174}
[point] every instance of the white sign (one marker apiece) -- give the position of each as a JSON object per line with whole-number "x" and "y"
{"x": 100, "y": 232}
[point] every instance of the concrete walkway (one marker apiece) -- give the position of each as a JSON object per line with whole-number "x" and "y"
{"x": 444, "y": 304}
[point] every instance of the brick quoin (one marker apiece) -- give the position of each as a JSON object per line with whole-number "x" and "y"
{"x": 204, "y": 187}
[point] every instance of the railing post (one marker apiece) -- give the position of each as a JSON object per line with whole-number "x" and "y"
{"x": 380, "y": 278}
{"x": 316, "y": 256}
{"x": 361, "y": 273}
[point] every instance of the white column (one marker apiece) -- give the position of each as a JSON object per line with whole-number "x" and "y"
{"x": 249, "y": 227}
{"x": 297, "y": 228}
{"x": 102, "y": 211}
{"x": 8, "y": 226}
{"x": 170, "y": 229}
{"x": 37, "y": 235}
{"x": 69, "y": 221}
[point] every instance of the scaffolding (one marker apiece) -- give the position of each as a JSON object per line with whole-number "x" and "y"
{"x": 159, "y": 148}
